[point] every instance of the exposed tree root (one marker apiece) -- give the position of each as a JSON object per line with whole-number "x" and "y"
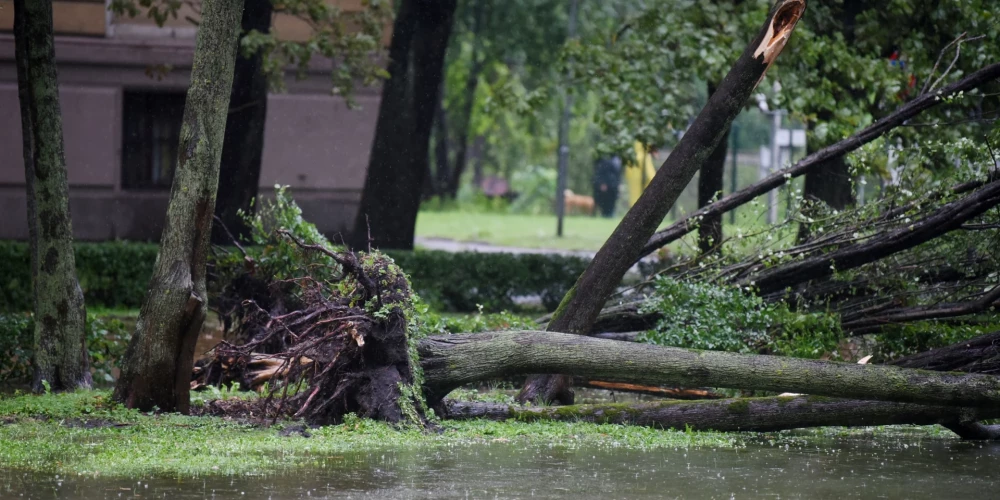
{"x": 343, "y": 348}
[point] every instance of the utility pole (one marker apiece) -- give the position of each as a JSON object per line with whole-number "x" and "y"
{"x": 772, "y": 195}
{"x": 564, "y": 132}
{"x": 733, "y": 181}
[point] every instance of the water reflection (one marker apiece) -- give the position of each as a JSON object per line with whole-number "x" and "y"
{"x": 896, "y": 467}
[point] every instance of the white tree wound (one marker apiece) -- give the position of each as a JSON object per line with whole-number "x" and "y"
{"x": 785, "y": 17}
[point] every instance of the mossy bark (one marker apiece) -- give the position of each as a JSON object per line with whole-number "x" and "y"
{"x": 452, "y": 361}
{"x": 594, "y": 287}
{"x": 156, "y": 369}
{"x": 59, "y": 348}
{"x": 751, "y": 414}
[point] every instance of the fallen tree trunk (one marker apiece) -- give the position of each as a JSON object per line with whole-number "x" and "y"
{"x": 732, "y": 201}
{"x": 842, "y": 252}
{"x": 978, "y": 355}
{"x": 947, "y": 218}
{"x": 875, "y": 323}
{"x": 748, "y": 415}
{"x": 451, "y": 361}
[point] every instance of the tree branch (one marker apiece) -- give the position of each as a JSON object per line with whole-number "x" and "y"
{"x": 729, "y": 202}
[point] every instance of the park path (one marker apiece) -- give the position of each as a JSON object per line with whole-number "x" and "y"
{"x": 454, "y": 246}
{"x": 449, "y": 245}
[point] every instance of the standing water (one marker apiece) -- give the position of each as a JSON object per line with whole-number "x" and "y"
{"x": 897, "y": 466}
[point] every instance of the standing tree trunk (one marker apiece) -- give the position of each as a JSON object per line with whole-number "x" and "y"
{"x": 709, "y": 186}
{"x": 59, "y": 348}
{"x": 442, "y": 170}
{"x": 243, "y": 146}
{"x": 156, "y": 369}
{"x": 400, "y": 152}
{"x": 831, "y": 184}
{"x": 468, "y": 102}
{"x": 583, "y": 303}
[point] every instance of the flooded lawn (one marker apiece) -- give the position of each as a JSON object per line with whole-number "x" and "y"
{"x": 892, "y": 465}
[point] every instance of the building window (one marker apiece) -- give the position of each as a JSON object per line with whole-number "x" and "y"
{"x": 151, "y": 131}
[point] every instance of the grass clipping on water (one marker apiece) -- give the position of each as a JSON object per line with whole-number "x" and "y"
{"x": 85, "y": 433}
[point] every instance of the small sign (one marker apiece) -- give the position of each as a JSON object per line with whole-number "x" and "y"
{"x": 791, "y": 138}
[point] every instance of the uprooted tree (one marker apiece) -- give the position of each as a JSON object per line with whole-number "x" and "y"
{"x": 324, "y": 332}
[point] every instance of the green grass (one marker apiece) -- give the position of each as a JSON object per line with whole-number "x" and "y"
{"x": 580, "y": 233}
{"x": 41, "y": 433}
{"x": 526, "y": 231}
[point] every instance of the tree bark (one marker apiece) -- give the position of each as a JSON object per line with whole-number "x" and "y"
{"x": 243, "y": 146}
{"x": 59, "y": 356}
{"x": 873, "y": 323}
{"x": 156, "y": 369}
{"x": 452, "y": 361}
{"x": 468, "y": 101}
{"x": 978, "y": 355}
{"x": 732, "y": 201}
{"x": 442, "y": 171}
{"x": 582, "y": 304}
{"x": 742, "y": 415}
{"x": 400, "y": 152}
{"x": 709, "y": 186}
{"x": 947, "y": 218}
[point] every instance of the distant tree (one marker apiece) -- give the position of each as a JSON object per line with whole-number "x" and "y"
{"x": 400, "y": 154}
{"x": 59, "y": 356}
{"x": 243, "y": 147}
{"x": 156, "y": 369}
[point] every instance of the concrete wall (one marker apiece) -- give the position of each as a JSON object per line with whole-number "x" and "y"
{"x": 313, "y": 142}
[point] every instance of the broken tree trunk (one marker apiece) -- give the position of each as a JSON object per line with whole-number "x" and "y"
{"x": 978, "y": 355}
{"x": 156, "y": 369}
{"x": 732, "y": 201}
{"x": 60, "y": 355}
{"x": 797, "y": 279}
{"x": 451, "y": 361}
{"x": 947, "y": 218}
{"x": 582, "y": 304}
{"x": 747, "y": 415}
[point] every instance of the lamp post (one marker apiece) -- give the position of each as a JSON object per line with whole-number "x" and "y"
{"x": 563, "y": 162}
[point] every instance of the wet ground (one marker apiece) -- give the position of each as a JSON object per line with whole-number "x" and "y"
{"x": 893, "y": 466}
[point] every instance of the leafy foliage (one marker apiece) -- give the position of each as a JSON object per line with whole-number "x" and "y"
{"x": 112, "y": 274}
{"x": 728, "y": 318}
{"x": 352, "y": 39}
{"x": 106, "y": 340}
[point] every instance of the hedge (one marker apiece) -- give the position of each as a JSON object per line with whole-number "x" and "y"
{"x": 115, "y": 275}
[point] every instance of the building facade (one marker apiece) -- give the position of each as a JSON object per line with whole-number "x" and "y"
{"x": 122, "y": 89}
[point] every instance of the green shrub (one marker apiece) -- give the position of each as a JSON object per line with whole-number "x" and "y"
{"x": 115, "y": 275}
{"x": 465, "y": 281}
{"x": 107, "y": 339}
{"x": 15, "y": 347}
{"x": 728, "y": 318}
{"x": 112, "y": 274}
